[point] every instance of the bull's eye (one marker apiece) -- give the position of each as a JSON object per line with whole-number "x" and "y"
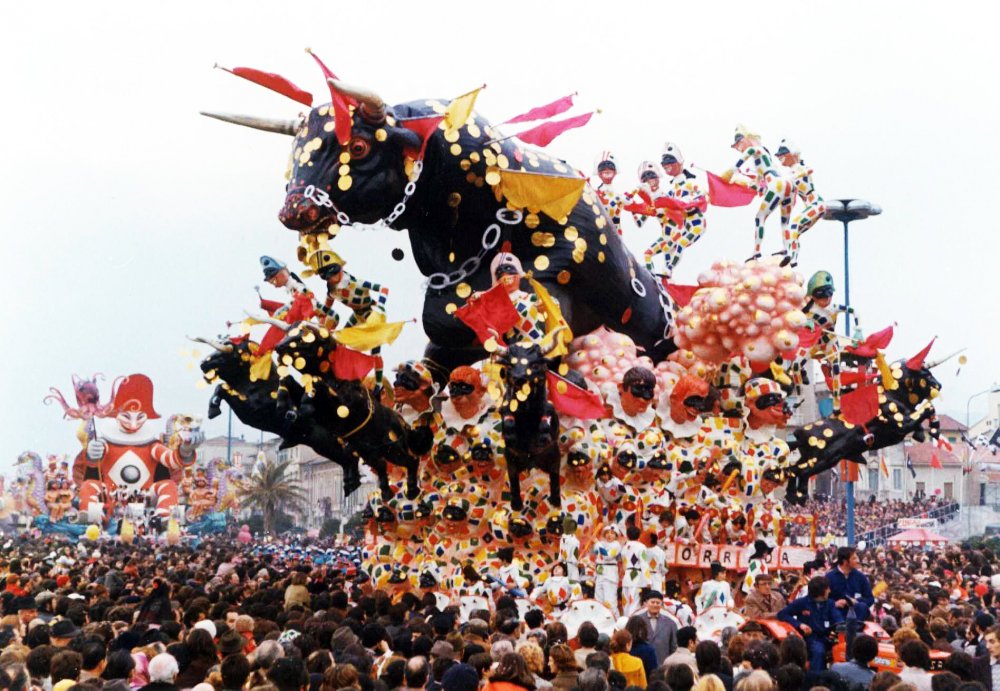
{"x": 359, "y": 147}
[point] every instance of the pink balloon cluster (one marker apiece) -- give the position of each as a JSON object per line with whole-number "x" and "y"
{"x": 751, "y": 309}
{"x": 604, "y": 356}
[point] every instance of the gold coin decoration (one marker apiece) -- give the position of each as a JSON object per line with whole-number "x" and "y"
{"x": 344, "y": 183}
{"x": 541, "y": 239}
{"x": 456, "y": 149}
{"x": 563, "y": 277}
{"x": 493, "y": 177}
{"x": 531, "y": 220}
{"x": 450, "y": 308}
{"x": 345, "y": 157}
{"x": 344, "y": 169}
{"x": 343, "y": 411}
{"x": 571, "y": 233}
{"x": 381, "y": 135}
{"x": 502, "y": 161}
{"x": 451, "y": 136}
{"x": 542, "y": 262}
{"x": 463, "y": 290}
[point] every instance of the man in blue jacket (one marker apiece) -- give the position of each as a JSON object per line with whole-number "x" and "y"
{"x": 815, "y": 617}
{"x": 849, "y": 588}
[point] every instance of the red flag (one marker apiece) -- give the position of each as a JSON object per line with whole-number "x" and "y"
{"x": 917, "y": 361}
{"x": 722, "y": 193}
{"x": 874, "y": 343}
{"x": 543, "y": 134}
{"x": 643, "y": 207}
{"x": 681, "y": 294}
{"x": 849, "y": 471}
{"x": 271, "y": 338}
{"x": 547, "y": 111}
{"x": 424, "y": 128}
{"x": 301, "y": 309}
{"x": 274, "y": 82}
{"x": 935, "y": 461}
{"x": 808, "y": 337}
{"x": 943, "y": 444}
{"x": 271, "y": 306}
{"x": 342, "y": 121}
{"x": 350, "y": 364}
{"x": 491, "y": 310}
{"x": 570, "y": 399}
{"x": 859, "y": 406}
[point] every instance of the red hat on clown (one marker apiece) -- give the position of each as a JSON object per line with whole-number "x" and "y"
{"x": 135, "y": 394}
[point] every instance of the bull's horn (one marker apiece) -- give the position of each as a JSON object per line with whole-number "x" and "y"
{"x": 552, "y": 343}
{"x": 941, "y": 361}
{"x": 221, "y": 347}
{"x": 372, "y": 105}
{"x": 284, "y": 326}
{"x": 279, "y": 125}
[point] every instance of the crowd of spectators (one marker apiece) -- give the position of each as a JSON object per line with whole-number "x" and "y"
{"x": 219, "y": 618}
{"x": 869, "y": 515}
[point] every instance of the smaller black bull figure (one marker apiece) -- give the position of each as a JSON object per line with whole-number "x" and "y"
{"x": 379, "y": 434}
{"x": 255, "y": 404}
{"x": 822, "y": 445}
{"x": 530, "y": 423}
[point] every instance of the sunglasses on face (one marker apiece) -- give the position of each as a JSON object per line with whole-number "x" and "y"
{"x": 460, "y": 388}
{"x": 698, "y": 403}
{"x": 824, "y": 292}
{"x": 506, "y": 270}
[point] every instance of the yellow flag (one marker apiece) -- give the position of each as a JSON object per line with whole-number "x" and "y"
{"x": 552, "y": 194}
{"x": 889, "y": 382}
{"x": 553, "y": 319}
{"x": 459, "y": 110}
{"x": 260, "y": 367}
{"x": 372, "y": 334}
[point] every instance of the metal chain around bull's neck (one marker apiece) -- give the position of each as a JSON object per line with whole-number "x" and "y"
{"x": 322, "y": 198}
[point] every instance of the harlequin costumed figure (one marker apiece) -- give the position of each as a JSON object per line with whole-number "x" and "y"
{"x": 557, "y": 591}
{"x": 365, "y": 299}
{"x": 635, "y": 574}
{"x": 715, "y": 592}
{"x": 772, "y": 186}
{"x": 762, "y": 449}
{"x": 470, "y": 426}
{"x": 583, "y": 443}
{"x": 805, "y": 219}
{"x": 607, "y": 170}
{"x": 506, "y": 269}
{"x": 642, "y": 200}
{"x": 301, "y": 300}
{"x": 569, "y": 550}
{"x": 413, "y": 391}
{"x": 680, "y": 410}
{"x": 821, "y": 315}
{"x": 126, "y": 453}
{"x": 607, "y": 557}
{"x": 683, "y": 226}
{"x": 632, "y": 411}
{"x": 756, "y": 565}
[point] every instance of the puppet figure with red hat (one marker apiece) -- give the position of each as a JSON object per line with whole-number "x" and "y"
{"x": 126, "y": 453}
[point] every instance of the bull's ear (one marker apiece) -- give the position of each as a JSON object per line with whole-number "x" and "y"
{"x": 405, "y": 138}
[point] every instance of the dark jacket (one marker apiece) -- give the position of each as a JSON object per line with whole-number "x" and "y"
{"x": 981, "y": 671}
{"x": 195, "y": 672}
{"x": 160, "y": 686}
{"x": 821, "y": 617}
{"x": 646, "y": 653}
{"x": 853, "y": 587}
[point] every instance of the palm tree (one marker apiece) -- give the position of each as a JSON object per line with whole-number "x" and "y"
{"x": 269, "y": 491}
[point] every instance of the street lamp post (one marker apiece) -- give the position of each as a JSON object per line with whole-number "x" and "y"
{"x": 845, "y": 211}
{"x": 968, "y": 453}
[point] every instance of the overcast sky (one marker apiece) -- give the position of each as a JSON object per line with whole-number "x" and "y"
{"x": 129, "y": 221}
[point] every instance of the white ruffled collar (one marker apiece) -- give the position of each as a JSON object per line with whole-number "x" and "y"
{"x": 639, "y": 422}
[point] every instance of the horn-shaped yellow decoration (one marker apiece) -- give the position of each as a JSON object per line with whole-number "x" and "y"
{"x": 889, "y": 382}
{"x": 553, "y": 320}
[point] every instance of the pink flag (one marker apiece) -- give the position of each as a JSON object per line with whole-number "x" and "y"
{"x": 547, "y": 111}
{"x": 722, "y": 193}
{"x": 542, "y": 134}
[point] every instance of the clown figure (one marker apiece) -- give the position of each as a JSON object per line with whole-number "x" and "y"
{"x": 805, "y": 219}
{"x": 301, "y": 301}
{"x": 413, "y": 392}
{"x": 607, "y": 170}
{"x": 821, "y": 315}
{"x": 762, "y": 449}
{"x": 685, "y": 225}
{"x": 470, "y": 424}
{"x": 642, "y": 200}
{"x": 632, "y": 413}
{"x": 126, "y": 454}
{"x": 506, "y": 270}
{"x": 772, "y": 186}
{"x": 365, "y": 299}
